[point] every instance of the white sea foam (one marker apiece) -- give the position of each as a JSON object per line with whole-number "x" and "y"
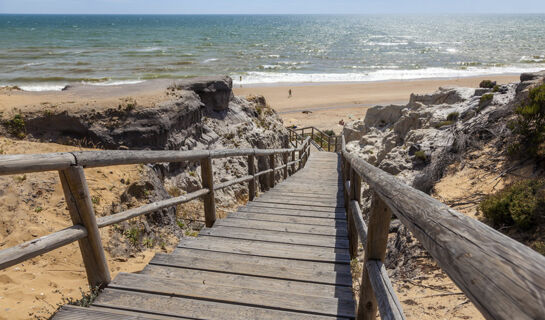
{"x": 150, "y": 49}
{"x": 113, "y": 82}
{"x": 210, "y": 60}
{"x": 378, "y": 75}
{"x": 42, "y": 87}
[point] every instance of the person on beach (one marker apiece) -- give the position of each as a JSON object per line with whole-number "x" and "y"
{"x": 289, "y": 93}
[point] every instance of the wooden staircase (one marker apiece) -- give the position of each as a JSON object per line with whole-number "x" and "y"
{"x": 282, "y": 256}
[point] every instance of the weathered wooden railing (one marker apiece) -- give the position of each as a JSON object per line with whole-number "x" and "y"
{"x": 502, "y": 277}
{"x": 86, "y": 226}
{"x": 321, "y": 140}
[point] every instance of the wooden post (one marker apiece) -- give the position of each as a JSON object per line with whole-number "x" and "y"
{"x": 336, "y": 143}
{"x": 286, "y": 159}
{"x": 312, "y": 133}
{"x": 293, "y": 159}
{"x": 209, "y": 200}
{"x": 251, "y": 183}
{"x": 78, "y": 199}
{"x": 375, "y": 249}
{"x": 272, "y": 174}
{"x": 321, "y": 140}
{"x": 355, "y": 194}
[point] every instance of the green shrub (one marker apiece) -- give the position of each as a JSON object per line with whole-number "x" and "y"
{"x": 496, "y": 88}
{"x": 521, "y": 204}
{"x": 444, "y": 123}
{"x": 453, "y": 116}
{"x": 421, "y": 155}
{"x": 329, "y": 132}
{"x": 530, "y": 124}
{"x": 486, "y": 98}
{"x": 487, "y": 84}
{"x": 16, "y": 126}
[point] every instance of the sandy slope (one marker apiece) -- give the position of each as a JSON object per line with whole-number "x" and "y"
{"x": 33, "y": 205}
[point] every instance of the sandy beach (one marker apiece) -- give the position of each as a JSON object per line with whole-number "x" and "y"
{"x": 330, "y": 103}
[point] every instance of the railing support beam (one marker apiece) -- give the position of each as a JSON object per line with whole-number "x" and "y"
{"x": 80, "y": 207}
{"x": 354, "y": 194}
{"x": 273, "y": 173}
{"x": 375, "y": 249}
{"x": 285, "y": 156}
{"x": 209, "y": 200}
{"x": 251, "y": 183}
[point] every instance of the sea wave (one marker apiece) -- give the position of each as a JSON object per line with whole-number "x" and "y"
{"x": 42, "y": 87}
{"x": 378, "y": 75}
{"x": 113, "y": 82}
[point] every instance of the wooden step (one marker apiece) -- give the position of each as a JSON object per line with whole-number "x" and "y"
{"x": 340, "y": 214}
{"x": 188, "y": 308}
{"x": 253, "y": 295}
{"x": 267, "y": 249}
{"x": 243, "y": 281}
{"x": 267, "y": 267}
{"x": 281, "y": 226}
{"x": 274, "y": 236}
{"x": 337, "y": 223}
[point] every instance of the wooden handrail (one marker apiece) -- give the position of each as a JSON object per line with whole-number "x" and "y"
{"x": 322, "y": 138}
{"x": 85, "y": 229}
{"x": 502, "y": 277}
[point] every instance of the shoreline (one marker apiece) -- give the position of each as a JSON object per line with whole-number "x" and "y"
{"x": 329, "y": 104}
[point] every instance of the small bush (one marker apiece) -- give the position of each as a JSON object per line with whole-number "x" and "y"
{"x": 453, "y": 116}
{"x": 530, "y": 124}
{"x": 486, "y": 98}
{"x": 421, "y": 155}
{"x": 487, "y": 84}
{"x": 86, "y": 298}
{"x": 521, "y": 204}
{"x": 444, "y": 123}
{"x": 16, "y": 126}
{"x": 329, "y": 132}
{"x": 496, "y": 88}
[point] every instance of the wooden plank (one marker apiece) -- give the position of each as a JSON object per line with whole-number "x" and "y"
{"x": 339, "y": 214}
{"x": 151, "y": 207}
{"x": 251, "y": 183}
{"x": 68, "y": 312}
{"x": 375, "y": 249}
{"x": 25, "y": 163}
{"x": 291, "y": 206}
{"x": 267, "y": 267}
{"x": 354, "y": 195}
{"x": 388, "y": 303}
{"x": 358, "y": 222}
{"x": 280, "y": 226}
{"x": 277, "y": 285}
{"x": 300, "y": 201}
{"x": 274, "y": 236}
{"x": 291, "y": 219}
{"x": 33, "y": 248}
{"x": 209, "y": 199}
{"x": 191, "y": 308}
{"x": 225, "y": 294}
{"x": 80, "y": 207}
{"x": 267, "y": 249}
{"x": 272, "y": 175}
{"x": 502, "y": 277}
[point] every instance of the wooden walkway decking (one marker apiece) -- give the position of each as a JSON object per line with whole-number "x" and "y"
{"x": 282, "y": 256}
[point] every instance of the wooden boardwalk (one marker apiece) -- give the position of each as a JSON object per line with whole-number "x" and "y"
{"x": 282, "y": 256}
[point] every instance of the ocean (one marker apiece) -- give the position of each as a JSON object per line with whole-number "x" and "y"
{"x": 47, "y": 52}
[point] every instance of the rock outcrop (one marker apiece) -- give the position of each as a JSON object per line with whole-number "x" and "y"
{"x": 417, "y": 141}
{"x": 195, "y": 114}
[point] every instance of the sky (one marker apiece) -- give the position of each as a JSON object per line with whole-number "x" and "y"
{"x": 270, "y": 6}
